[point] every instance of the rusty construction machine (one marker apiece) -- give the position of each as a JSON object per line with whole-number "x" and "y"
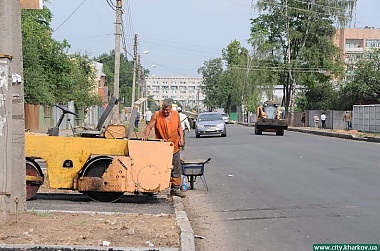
{"x": 103, "y": 163}
{"x": 270, "y": 118}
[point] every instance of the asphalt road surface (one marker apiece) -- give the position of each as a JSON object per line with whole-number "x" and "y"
{"x": 269, "y": 192}
{"x": 79, "y": 202}
{"x": 64, "y": 200}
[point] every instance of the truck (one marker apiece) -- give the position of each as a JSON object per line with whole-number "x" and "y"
{"x": 270, "y": 118}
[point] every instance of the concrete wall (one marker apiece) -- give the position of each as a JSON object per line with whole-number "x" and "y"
{"x": 366, "y": 118}
{"x": 334, "y": 119}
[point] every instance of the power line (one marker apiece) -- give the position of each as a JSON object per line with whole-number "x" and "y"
{"x": 70, "y": 15}
{"x": 112, "y": 5}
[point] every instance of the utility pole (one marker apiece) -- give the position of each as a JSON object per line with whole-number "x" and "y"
{"x": 134, "y": 71}
{"x": 12, "y": 160}
{"x": 144, "y": 93}
{"x": 290, "y": 78}
{"x": 138, "y": 77}
{"x": 116, "y": 115}
{"x": 5, "y": 107}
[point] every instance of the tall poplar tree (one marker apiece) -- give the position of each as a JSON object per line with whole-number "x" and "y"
{"x": 296, "y": 39}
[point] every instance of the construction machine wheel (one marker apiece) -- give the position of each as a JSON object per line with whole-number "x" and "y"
{"x": 34, "y": 178}
{"x": 96, "y": 168}
{"x": 280, "y": 132}
{"x": 258, "y": 131}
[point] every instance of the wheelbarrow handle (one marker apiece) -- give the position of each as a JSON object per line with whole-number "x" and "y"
{"x": 208, "y": 160}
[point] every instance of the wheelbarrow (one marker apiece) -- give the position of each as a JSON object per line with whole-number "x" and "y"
{"x": 191, "y": 169}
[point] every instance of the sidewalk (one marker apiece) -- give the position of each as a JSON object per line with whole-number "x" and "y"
{"x": 351, "y": 134}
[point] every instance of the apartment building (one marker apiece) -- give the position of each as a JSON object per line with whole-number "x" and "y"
{"x": 185, "y": 90}
{"x": 354, "y": 42}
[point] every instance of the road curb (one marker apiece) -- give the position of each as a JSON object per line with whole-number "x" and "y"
{"x": 324, "y": 132}
{"x": 186, "y": 232}
{"x": 329, "y": 133}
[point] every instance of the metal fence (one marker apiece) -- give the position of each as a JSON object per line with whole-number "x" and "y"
{"x": 40, "y": 118}
{"x": 366, "y": 118}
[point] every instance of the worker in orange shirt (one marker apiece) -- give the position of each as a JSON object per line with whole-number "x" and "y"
{"x": 167, "y": 126}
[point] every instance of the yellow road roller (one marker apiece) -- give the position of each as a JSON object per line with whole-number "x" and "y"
{"x": 98, "y": 164}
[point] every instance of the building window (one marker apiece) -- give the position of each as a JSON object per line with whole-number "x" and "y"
{"x": 372, "y": 43}
{"x": 354, "y": 43}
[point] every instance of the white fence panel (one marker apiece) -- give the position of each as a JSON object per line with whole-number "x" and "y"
{"x": 366, "y": 118}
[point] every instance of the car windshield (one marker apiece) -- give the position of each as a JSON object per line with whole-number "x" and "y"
{"x": 209, "y": 117}
{"x": 224, "y": 115}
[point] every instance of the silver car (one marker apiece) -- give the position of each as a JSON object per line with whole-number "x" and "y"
{"x": 226, "y": 118}
{"x": 210, "y": 123}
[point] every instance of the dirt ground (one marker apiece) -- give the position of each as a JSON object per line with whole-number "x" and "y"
{"x": 85, "y": 229}
{"x": 116, "y": 230}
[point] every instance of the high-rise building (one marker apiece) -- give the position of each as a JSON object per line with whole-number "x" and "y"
{"x": 185, "y": 90}
{"x": 354, "y": 43}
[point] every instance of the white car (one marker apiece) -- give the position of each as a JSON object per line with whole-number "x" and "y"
{"x": 226, "y": 118}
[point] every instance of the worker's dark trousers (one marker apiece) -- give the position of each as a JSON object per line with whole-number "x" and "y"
{"x": 175, "y": 179}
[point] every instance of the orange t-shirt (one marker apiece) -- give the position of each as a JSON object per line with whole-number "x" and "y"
{"x": 168, "y": 130}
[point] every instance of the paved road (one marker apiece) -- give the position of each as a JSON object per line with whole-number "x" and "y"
{"x": 75, "y": 201}
{"x": 79, "y": 202}
{"x": 269, "y": 192}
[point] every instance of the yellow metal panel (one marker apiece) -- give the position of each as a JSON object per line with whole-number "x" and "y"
{"x": 55, "y": 150}
{"x": 151, "y": 165}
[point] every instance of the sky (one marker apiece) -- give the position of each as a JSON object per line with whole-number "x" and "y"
{"x": 179, "y": 35}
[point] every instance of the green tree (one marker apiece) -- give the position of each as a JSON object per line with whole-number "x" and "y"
{"x": 365, "y": 86}
{"x": 296, "y": 38}
{"x": 50, "y": 74}
{"x": 125, "y": 74}
{"x": 236, "y": 78}
{"x": 36, "y": 43}
{"x": 212, "y": 71}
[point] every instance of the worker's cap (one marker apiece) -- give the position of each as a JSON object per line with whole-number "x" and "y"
{"x": 179, "y": 109}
